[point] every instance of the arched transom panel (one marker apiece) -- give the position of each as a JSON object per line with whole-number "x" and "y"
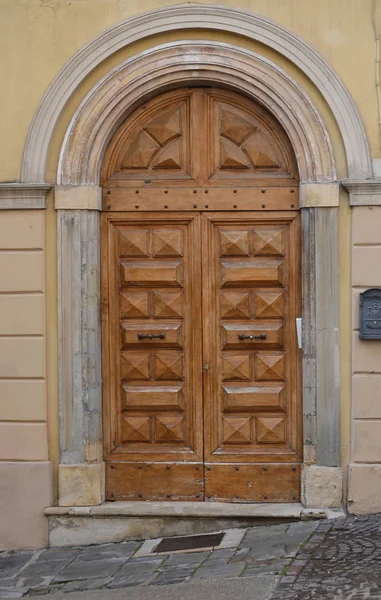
{"x": 200, "y": 137}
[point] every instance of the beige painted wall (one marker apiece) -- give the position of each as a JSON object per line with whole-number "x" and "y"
{"x": 365, "y": 469}
{"x": 24, "y": 466}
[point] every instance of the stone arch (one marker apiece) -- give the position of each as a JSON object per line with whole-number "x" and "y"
{"x": 77, "y": 199}
{"x": 182, "y": 63}
{"x": 190, "y": 16}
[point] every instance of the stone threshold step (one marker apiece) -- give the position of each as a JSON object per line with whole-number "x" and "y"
{"x": 194, "y": 510}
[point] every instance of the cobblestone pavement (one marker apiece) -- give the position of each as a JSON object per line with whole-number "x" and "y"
{"x": 341, "y": 560}
{"x": 263, "y": 551}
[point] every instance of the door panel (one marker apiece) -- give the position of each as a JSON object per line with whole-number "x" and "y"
{"x": 251, "y": 389}
{"x": 152, "y": 345}
{"x": 201, "y": 371}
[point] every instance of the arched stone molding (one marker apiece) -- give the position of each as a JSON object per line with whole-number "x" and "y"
{"x": 194, "y": 16}
{"x": 183, "y": 63}
{"x": 77, "y": 199}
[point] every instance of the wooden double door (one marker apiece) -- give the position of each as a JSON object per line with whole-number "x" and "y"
{"x": 201, "y": 369}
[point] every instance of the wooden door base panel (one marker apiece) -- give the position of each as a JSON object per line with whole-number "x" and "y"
{"x": 154, "y": 481}
{"x": 252, "y": 483}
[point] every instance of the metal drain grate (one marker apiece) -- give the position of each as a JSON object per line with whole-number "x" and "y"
{"x": 190, "y": 542}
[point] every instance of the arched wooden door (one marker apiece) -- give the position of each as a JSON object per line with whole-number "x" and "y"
{"x": 201, "y": 288}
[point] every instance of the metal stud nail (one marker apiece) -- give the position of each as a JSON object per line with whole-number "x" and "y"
{"x": 234, "y": 191}
{"x": 168, "y": 467}
{"x": 108, "y": 192}
{"x": 165, "y": 205}
{"x": 263, "y": 191}
{"x": 108, "y": 205}
{"x": 165, "y": 191}
{"x": 237, "y": 468}
{"x": 263, "y": 205}
{"x": 194, "y": 205}
{"x": 235, "y": 206}
{"x": 265, "y": 497}
{"x": 140, "y": 466}
{"x": 195, "y": 191}
{"x": 265, "y": 468}
{"x": 140, "y": 495}
{"x": 206, "y": 205}
{"x": 292, "y": 191}
{"x": 136, "y": 205}
{"x": 136, "y": 191}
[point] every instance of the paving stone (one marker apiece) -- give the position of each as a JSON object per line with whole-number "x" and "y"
{"x": 275, "y": 568}
{"x": 8, "y": 592}
{"x": 90, "y": 570}
{"x": 59, "y": 554}
{"x": 218, "y": 571}
{"x": 240, "y": 555}
{"x": 141, "y": 566}
{"x": 125, "y": 549}
{"x": 177, "y": 576}
{"x": 132, "y": 579}
{"x": 11, "y": 564}
{"x": 86, "y": 584}
{"x": 32, "y": 582}
{"x": 184, "y": 560}
{"x": 43, "y": 569}
{"x": 8, "y": 582}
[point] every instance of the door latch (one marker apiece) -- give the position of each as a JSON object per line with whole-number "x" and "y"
{"x": 299, "y": 331}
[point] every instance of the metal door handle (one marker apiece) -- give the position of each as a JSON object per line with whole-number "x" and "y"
{"x": 261, "y": 336}
{"x": 151, "y": 336}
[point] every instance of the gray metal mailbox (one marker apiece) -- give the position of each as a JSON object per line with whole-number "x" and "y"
{"x": 370, "y": 314}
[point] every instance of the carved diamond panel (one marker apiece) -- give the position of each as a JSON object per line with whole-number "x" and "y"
{"x": 234, "y": 126}
{"x": 133, "y": 242}
{"x": 231, "y": 156}
{"x": 168, "y": 305}
{"x": 168, "y": 157}
{"x": 234, "y": 243}
{"x": 167, "y": 242}
{"x": 268, "y": 242}
{"x": 235, "y": 368}
{"x": 134, "y": 366}
{"x": 168, "y": 365}
{"x": 261, "y": 151}
{"x": 271, "y": 430}
{"x": 269, "y": 367}
{"x": 166, "y": 126}
{"x": 235, "y": 305}
{"x": 140, "y": 152}
{"x": 134, "y": 305}
{"x": 237, "y": 430}
{"x": 169, "y": 428}
{"x": 269, "y": 304}
{"x": 136, "y": 429}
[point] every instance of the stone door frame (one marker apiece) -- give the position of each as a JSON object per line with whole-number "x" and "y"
{"x": 77, "y": 200}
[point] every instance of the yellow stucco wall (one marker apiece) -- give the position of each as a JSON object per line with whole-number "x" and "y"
{"x": 38, "y": 37}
